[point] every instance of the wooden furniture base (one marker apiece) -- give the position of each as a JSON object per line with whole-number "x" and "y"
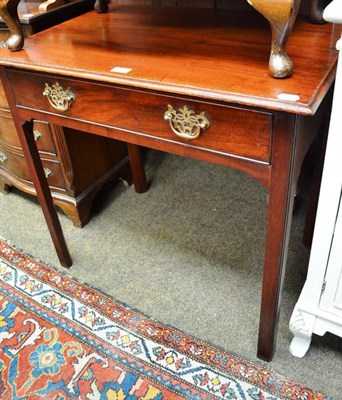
{"x": 280, "y": 14}
{"x": 207, "y": 99}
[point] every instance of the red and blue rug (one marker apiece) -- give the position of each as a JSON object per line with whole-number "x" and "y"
{"x": 60, "y": 339}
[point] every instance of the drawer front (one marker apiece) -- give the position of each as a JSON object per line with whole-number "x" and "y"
{"x": 9, "y": 136}
{"x": 8, "y": 133}
{"x": 15, "y": 164}
{"x": 44, "y": 138}
{"x": 232, "y": 130}
{"x": 3, "y": 99}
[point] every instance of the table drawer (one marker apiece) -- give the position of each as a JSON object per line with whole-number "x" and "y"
{"x": 9, "y": 136}
{"x": 15, "y": 164}
{"x": 232, "y": 130}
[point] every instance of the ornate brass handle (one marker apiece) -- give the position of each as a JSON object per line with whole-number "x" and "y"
{"x": 59, "y": 98}
{"x": 185, "y": 123}
{"x": 3, "y": 158}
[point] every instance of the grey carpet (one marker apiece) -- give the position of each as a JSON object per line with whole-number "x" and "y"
{"x": 189, "y": 253}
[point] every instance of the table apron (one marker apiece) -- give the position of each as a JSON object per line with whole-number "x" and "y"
{"x": 232, "y": 129}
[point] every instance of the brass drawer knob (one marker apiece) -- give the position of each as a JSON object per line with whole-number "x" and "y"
{"x": 36, "y": 134}
{"x": 186, "y": 123}
{"x": 59, "y": 98}
{"x": 3, "y": 158}
{"x": 47, "y": 172}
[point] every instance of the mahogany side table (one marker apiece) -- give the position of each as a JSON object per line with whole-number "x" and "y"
{"x": 185, "y": 83}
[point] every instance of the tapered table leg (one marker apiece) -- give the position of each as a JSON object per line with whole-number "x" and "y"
{"x": 43, "y": 192}
{"x": 281, "y": 194}
{"x": 137, "y": 168}
{"x": 281, "y": 16}
{"x": 9, "y": 14}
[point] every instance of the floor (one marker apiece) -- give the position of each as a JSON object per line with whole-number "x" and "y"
{"x": 188, "y": 253}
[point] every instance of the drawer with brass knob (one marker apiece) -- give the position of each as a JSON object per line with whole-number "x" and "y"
{"x": 210, "y": 127}
{"x": 15, "y": 165}
{"x": 41, "y": 132}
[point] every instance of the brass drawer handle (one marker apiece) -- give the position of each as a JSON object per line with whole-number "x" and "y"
{"x": 36, "y": 134}
{"x": 185, "y": 123}
{"x": 59, "y": 98}
{"x": 3, "y": 158}
{"x": 47, "y": 172}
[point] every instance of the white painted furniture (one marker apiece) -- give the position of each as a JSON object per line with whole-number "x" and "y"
{"x": 319, "y": 307}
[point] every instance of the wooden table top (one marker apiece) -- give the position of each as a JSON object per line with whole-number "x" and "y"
{"x": 221, "y": 56}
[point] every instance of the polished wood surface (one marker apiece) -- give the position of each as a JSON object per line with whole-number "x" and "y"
{"x": 281, "y": 16}
{"x": 140, "y": 112}
{"x": 196, "y": 59}
{"x": 221, "y": 63}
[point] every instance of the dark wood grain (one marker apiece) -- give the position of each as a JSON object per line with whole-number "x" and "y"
{"x": 143, "y": 113}
{"x": 137, "y": 166}
{"x": 280, "y": 204}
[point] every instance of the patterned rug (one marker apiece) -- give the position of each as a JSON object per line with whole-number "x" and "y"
{"x": 60, "y": 339}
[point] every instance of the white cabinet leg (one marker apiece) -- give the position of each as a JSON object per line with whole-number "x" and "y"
{"x": 300, "y": 345}
{"x": 301, "y": 325}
